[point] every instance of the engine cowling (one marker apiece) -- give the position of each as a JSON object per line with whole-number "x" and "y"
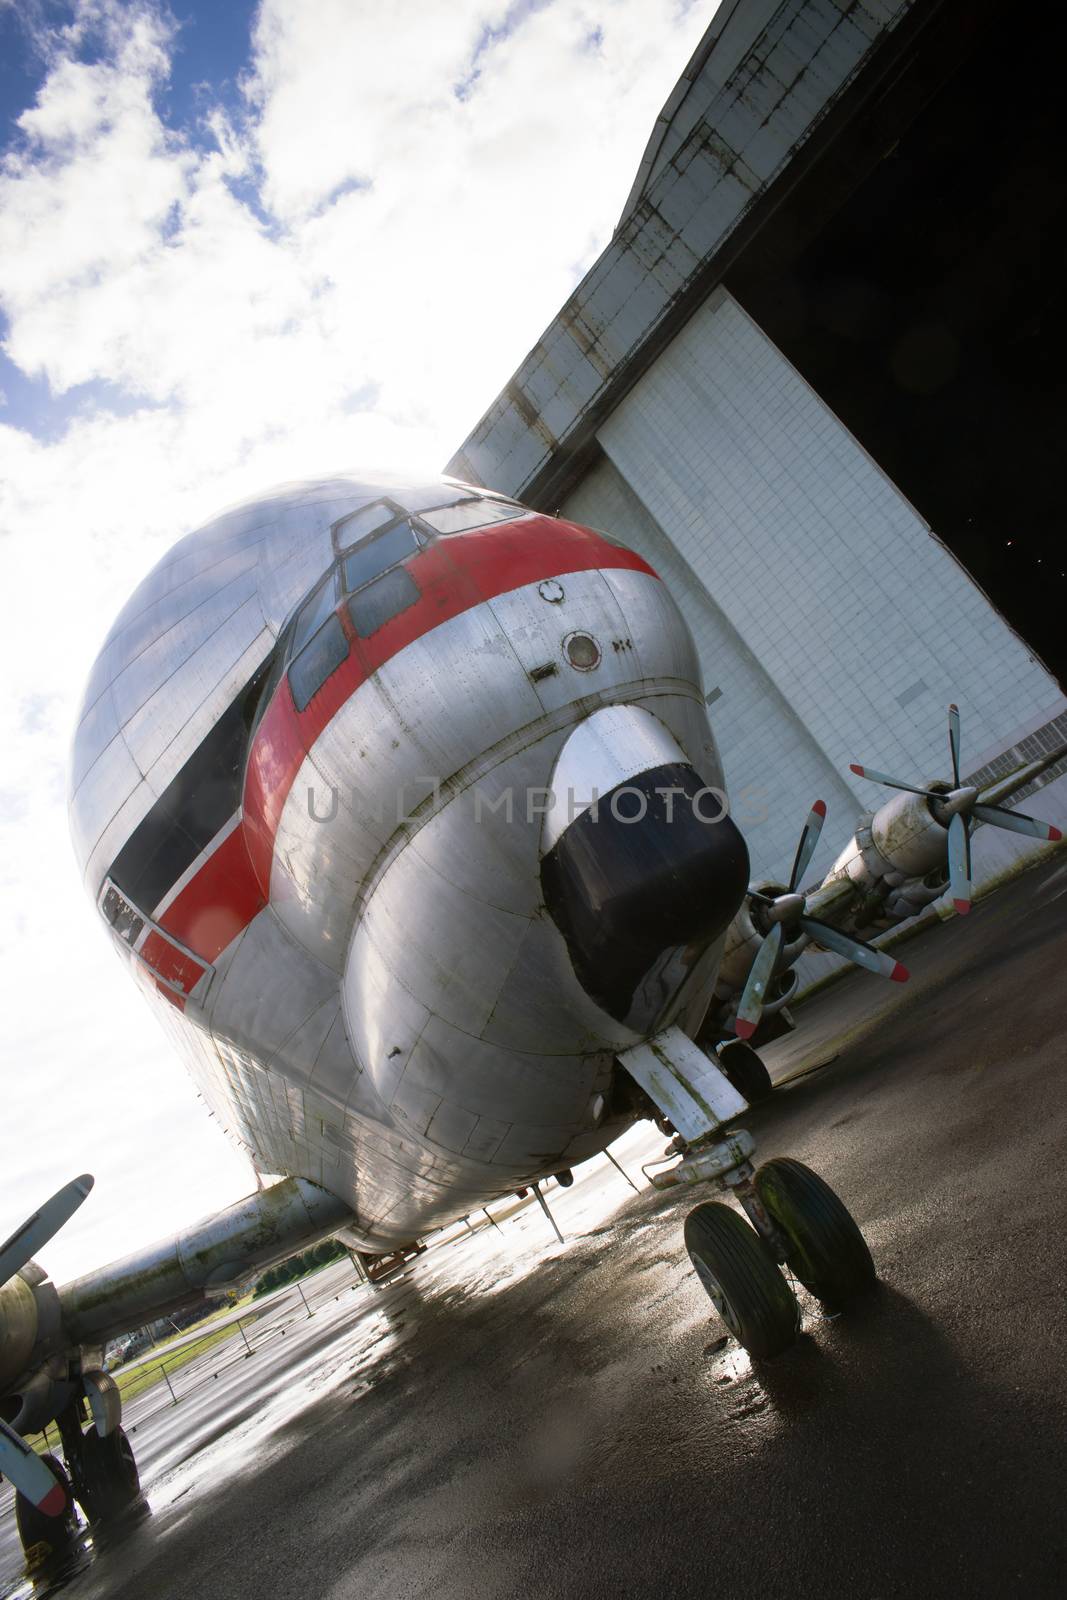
{"x": 18, "y": 1329}
{"x": 903, "y": 840}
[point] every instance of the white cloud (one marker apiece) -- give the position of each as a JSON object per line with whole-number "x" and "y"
{"x": 340, "y": 270}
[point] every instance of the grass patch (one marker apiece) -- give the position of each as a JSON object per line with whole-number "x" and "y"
{"x": 149, "y": 1372}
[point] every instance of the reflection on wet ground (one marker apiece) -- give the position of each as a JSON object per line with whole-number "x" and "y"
{"x": 51, "y": 1575}
{"x": 518, "y": 1418}
{"x": 234, "y": 1408}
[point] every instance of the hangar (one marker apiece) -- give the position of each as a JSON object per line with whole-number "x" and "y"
{"x": 815, "y": 378}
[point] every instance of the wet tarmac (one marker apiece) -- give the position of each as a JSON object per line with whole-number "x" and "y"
{"x": 516, "y": 1420}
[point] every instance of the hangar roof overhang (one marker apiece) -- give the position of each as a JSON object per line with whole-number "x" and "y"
{"x": 760, "y": 105}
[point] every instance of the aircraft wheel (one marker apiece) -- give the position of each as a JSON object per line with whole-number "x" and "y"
{"x": 745, "y": 1070}
{"x": 44, "y": 1537}
{"x": 825, "y": 1249}
{"x": 742, "y": 1279}
{"x": 109, "y": 1471}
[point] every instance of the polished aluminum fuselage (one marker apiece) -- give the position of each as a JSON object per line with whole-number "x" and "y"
{"x": 358, "y": 965}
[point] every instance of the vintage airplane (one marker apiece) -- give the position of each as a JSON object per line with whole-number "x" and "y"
{"x": 401, "y": 805}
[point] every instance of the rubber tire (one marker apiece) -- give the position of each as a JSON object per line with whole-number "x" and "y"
{"x": 745, "y": 1070}
{"x": 826, "y": 1251}
{"x": 35, "y": 1528}
{"x": 742, "y": 1279}
{"x": 109, "y": 1474}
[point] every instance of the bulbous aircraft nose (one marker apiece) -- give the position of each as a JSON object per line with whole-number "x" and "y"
{"x": 642, "y": 867}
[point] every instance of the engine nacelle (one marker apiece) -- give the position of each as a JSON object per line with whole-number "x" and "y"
{"x": 33, "y": 1365}
{"x": 219, "y": 1252}
{"x": 902, "y": 841}
{"x": 916, "y": 895}
{"x": 18, "y": 1329}
{"x": 908, "y": 836}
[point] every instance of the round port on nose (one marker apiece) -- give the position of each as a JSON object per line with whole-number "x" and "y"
{"x": 582, "y": 651}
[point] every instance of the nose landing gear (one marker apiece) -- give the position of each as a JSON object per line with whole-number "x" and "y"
{"x": 823, "y": 1246}
{"x": 742, "y": 1279}
{"x": 794, "y": 1218}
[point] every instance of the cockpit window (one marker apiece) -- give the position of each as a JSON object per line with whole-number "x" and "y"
{"x": 313, "y": 613}
{"x": 470, "y": 514}
{"x": 371, "y": 559}
{"x": 367, "y": 520}
{"x": 321, "y": 656}
{"x": 378, "y": 602}
{"x": 126, "y": 921}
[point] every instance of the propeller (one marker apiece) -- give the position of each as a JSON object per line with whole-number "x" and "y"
{"x": 958, "y": 809}
{"x": 786, "y": 917}
{"x": 20, "y": 1464}
{"x": 36, "y": 1231}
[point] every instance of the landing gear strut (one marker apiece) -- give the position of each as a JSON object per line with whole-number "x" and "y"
{"x": 102, "y": 1465}
{"x": 793, "y": 1217}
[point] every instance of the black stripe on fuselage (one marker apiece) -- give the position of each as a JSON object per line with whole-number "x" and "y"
{"x": 193, "y": 807}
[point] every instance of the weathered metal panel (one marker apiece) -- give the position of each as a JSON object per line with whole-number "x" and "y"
{"x": 689, "y": 1088}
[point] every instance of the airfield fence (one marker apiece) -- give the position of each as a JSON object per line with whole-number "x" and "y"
{"x": 180, "y": 1371}
{"x": 247, "y": 1334}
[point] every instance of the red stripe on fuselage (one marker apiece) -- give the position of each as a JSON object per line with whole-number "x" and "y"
{"x": 218, "y": 902}
{"x": 170, "y": 963}
{"x": 456, "y": 573}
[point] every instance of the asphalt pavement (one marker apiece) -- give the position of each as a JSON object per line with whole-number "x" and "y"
{"x": 520, "y": 1420}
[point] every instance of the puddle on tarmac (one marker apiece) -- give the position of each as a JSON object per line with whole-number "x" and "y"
{"x": 259, "y": 1401}
{"x": 372, "y": 1343}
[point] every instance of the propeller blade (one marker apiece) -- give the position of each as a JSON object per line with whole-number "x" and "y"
{"x": 751, "y": 1007}
{"x": 36, "y": 1231}
{"x": 28, "y": 1475}
{"x": 808, "y": 840}
{"x": 854, "y": 950}
{"x": 891, "y": 783}
{"x": 954, "y": 743}
{"x": 1016, "y": 822}
{"x": 959, "y": 864}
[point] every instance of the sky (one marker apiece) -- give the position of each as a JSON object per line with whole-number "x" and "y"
{"x": 242, "y": 244}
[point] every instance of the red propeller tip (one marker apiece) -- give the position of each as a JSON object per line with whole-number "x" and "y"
{"x": 55, "y": 1501}
{"x": 962, "y": 906}
{"x": 819, "y": 808}
{"x": 744, "y": 1030}
{"x": 857, "y": 769}
{"x": 953, "y": 706}
{"x": 1054, "y": 833}
{"x": 900, "y": 973}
